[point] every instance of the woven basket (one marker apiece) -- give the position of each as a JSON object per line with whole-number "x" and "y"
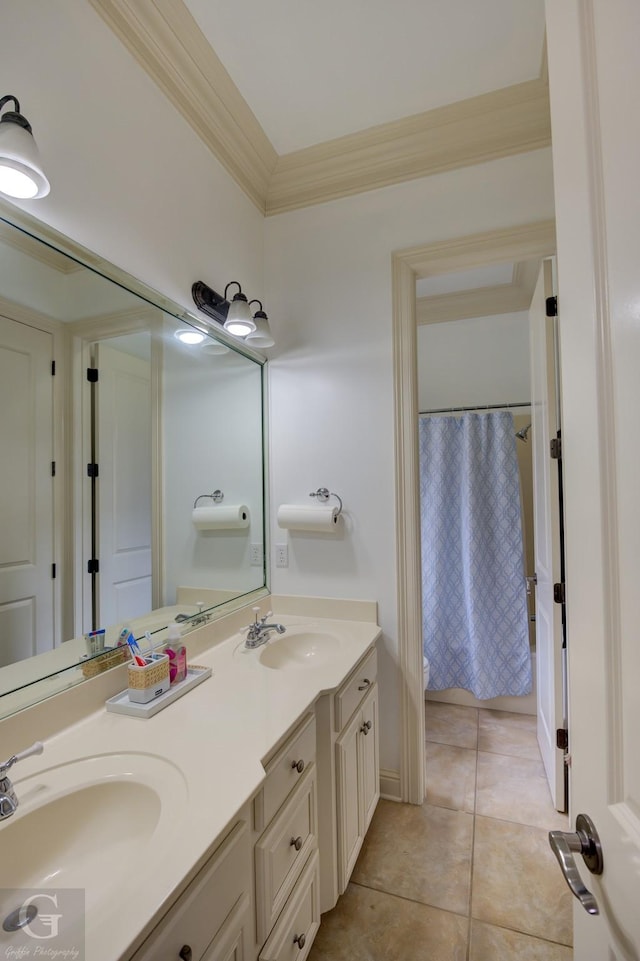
{"x": 141, "y": 678}
{"x": 104, "y": 662}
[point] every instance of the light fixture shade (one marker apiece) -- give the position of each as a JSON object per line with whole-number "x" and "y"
{"x": 21, "y": 173}
{"x": 261, "y": 336}
{"x": 239, "y": 320}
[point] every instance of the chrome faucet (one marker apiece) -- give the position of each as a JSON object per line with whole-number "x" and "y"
{"x": 8, "y": 798}
{"x": 258, "y": 632}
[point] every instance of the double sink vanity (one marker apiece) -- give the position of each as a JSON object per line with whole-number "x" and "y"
{"x": 222, "y": 827}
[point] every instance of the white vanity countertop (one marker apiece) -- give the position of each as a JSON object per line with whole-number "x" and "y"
{"x": 217, "y": 735}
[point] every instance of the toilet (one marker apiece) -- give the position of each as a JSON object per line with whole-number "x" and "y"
{"x": 425, "y": 671}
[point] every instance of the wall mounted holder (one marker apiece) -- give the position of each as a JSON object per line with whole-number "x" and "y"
{"x": 216, "y": 497}
{"x": 323, "y": 494}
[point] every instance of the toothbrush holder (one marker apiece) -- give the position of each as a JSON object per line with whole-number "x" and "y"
{"x": 148, "y": 682}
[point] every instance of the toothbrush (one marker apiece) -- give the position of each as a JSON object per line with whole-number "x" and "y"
{"x": 137, "y": 658}
{"x": 147, "y": 637}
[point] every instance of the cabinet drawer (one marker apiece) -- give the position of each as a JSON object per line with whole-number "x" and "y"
{"x": 293, "y": 935}
{"x": 202, "y": 910}
{"x": 282, "y": 851}
{"x": 355, "y": 689}
{"x": 284, "y": 772}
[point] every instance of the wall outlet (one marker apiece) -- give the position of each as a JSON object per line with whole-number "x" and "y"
{"x": 257, "y": 555}
{"x": 282, "y": 555}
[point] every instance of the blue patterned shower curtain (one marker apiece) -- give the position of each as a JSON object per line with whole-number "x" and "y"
{"x": 475, "y": 622}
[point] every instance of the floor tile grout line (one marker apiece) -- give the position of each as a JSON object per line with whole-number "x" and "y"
{"x": 403, "y": 897}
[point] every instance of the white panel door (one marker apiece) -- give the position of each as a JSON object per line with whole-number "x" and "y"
{"x": 26, "y": 492}
{"x": 123, "y": 446}
{"x": 546, "y": 517}
{"x": 594, "y": 70}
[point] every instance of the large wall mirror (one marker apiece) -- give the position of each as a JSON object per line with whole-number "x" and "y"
{"x": 132, "y": 477}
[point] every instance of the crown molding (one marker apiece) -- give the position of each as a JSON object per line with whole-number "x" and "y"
{"x": 481, "y": 301}
{"x": 509, "y": 121}
{"x": 530, "y": 241}
{"x": 140, "y": 317}
{"x": 167, "y": 42}
{"x": 36, "y": 249}
{"x": 468, "y": 304}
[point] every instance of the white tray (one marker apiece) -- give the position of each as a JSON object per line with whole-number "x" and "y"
{"x": 120, "y": 703}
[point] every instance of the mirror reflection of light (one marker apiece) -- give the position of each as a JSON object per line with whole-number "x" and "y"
{"x": 191, "y": 337}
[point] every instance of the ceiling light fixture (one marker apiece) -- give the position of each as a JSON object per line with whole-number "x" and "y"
{"x": 261, "y": 336}
{"x": 21, "y": 173}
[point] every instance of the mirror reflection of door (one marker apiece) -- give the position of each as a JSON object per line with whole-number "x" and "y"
{"x": 26, "y": 492}
{"x": 122, "y": 502}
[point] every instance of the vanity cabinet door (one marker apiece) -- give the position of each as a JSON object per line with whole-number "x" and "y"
{"x": 231, "y": 942}
{"x": 350, "y": 834}
{"x": 207, "y": 921}
{"x": 358, "y": 783}
{"x": 370, "y": 757}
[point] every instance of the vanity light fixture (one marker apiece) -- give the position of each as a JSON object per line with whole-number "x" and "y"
{"x": 239, "y": 320}
{"x": 261, "y": 336}
{"x": 235, "y": 316}
{"x": 21, "y": 173}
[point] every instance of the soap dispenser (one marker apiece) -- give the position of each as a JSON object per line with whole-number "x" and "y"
{"x": 177, "y": 654}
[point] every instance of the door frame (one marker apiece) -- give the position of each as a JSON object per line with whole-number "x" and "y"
{"x": 531, "y": 241}
{"x": 82, "y": 334}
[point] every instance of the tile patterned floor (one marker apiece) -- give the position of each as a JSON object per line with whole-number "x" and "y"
{"x": 469, "y": 875}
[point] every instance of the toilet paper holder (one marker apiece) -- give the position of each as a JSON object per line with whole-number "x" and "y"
{"x": 323, "y": 494}
{"x": 216, "y": 497}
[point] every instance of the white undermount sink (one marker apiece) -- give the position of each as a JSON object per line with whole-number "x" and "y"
{"x": 87, "y": 823}
{"x": 299, "y": 648}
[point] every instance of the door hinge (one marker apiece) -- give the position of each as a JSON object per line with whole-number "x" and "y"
{"x": 559, "y": 593}
{"x": 53, "y": 468}
{"x": 552, "y": 306}
{"x": 53, "y": 571}
{"x": 53, "y": 368}
{"x": 562, "y": 738}
{"x": 92, "y": 470}
{"x": 93, "y": 566}
{"x": 92, "y": 375}
{"x": 556, "y": 448}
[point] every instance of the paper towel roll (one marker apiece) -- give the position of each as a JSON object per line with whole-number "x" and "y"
{"x": 295, "y": 517}
{"x": 219, "y": 518}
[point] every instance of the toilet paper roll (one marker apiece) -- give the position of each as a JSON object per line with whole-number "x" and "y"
{"x": 220, "y": 518}
{"x": 295, "y": 517}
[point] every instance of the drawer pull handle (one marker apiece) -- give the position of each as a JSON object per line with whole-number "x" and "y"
{"x": 185, "y": 952}
{"x": 366, "y": 727}
{"x": 298, "y": 765}
{"x": 365, "y": 684}
{"x": 300, "y": 940}
{"x": 296, "y": 843}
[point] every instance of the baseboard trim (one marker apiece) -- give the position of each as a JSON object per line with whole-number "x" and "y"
{"x": 390, "y": 787}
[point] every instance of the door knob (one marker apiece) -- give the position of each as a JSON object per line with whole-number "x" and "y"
{"x": 584, "y": 841}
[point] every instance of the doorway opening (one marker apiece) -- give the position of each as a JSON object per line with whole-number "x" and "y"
{"x": 527, "y": 243}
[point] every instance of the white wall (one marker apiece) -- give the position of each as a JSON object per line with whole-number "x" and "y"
{"x": 328, "y": 272}
{"x": 212, "y": 427}
{"x": 129, "y": 178}
{"x": 484, "y": 360}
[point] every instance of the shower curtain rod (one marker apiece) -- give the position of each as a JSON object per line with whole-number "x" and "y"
{"x": 456, "y": 410}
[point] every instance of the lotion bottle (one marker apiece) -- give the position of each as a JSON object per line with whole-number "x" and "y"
{"x": 177, "y": 654}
